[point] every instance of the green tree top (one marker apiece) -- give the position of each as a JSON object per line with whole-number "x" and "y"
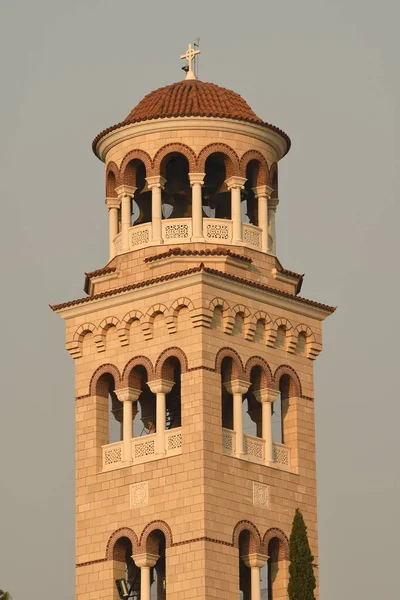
{"x": 301, "y": 572}
{"x": 5, "y": 595}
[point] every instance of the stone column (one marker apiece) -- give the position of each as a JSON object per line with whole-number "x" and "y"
{"x": 267, "y": 397}
{"x": 272, "y": 204}
{"x": 127, "y": 396}
{"x": 160, "y": 387}
{"x": 235, "y": 185}
{"x": 156, "y": 185}
{"x": 255, "y": 562}
{"x": 125, "y": 194}
{"x": 113, "y": 205}
{"x": 238, "y": 388}
{"x": 263, "y": 193}
{"x": 145, "y": 562}
{"x": 196, "y": 182}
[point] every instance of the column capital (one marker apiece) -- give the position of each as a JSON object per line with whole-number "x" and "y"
{"x": 263, "y": 190}
{"x": 266, "y": 395}
{"x": 196, "y": 178}
{"x": 255, "y": 560}
{"x": 113, "y": 203}
{"x": 238, "y": 386}
{"x": 235, "y": 182}
{"x": 162, "y": 386}
{"x": 156, "y": 181}
{"x": 145, "y": 560}
{"x": 273, "y": 203}
{"x": 128, "y": 394}
{"x": 125, "y": 190}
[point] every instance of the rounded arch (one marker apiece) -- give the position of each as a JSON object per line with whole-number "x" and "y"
{"x": 155, "y": 310}
{"x": 128, "y": 169}
{"x": 302, "y": 328}
{"x": 255, "y": 537}
{"x": 99, "y": 386}
{"x": 112, "y": 179}
{"x": 266, "y": 373}
{"x": 295, "y": 389}
{"x": 238, "y": 369}
{"x": 156, "y": 526}
{"x": 173, "y": 352}
{"x": 123, "y": 532}
{"x": 137, "y": 361}
{"x": 83, "y": 330}
{"x": 256, "y": 163}
{"x": 175, "y": 147}
{"x": 218, "y": 303}
{"x": 107, "y": 323}
{"x": 275, "y": 533}
{"x": 180, "y": 303}
{"x": 231, "y": 159}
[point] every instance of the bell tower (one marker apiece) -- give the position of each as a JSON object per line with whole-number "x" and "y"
{"x": 194, "y": 356}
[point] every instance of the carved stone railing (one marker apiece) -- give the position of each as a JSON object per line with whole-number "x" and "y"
{"x": 143, "y": 449}
{"x": 140, "y": 236}
{"x": 218, "y": 231}
{"x": 176, "y": 231}
{"x": 254, "y": 448}
{"x": 173, "y": 442}
{"x": 251, "y": 235}
{"x": 112, "y": 456}
{"x": 228, "y": 441}
{"x": 281, "y": 454}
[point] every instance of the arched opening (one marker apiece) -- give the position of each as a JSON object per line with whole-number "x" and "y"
{"x": 238, "y": 327}
{"x": 274, "y": 575}
{"x": 226, "y": 396}
{"x": 115, "y": 416}
{"x": 135, "y": 176}
{"x": 244, "y": 569}
{"x": 124, "y": 565}
{"x": 279, "y": 410}
{"x": 216, "y": 198}
{"x": 111, "y": 184}
{"x": 156, "y": 545}
{"x": 259, "y": 334}
{"x": 274, "y": 181}
{"x": 172, "y": 368}
{"x": 252, "y": 410}
{"x": 249, "y": 200}
{"x": 144, "y": 409}
{"x": 217, "y": 318}
{"x": 176, "y": 197}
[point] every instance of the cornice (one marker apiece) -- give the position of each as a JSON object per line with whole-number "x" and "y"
{"x": 196, "y": 275}
{"x": 130, "y": 132}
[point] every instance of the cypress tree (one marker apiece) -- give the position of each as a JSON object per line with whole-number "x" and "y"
{"x": 301, "y": 572}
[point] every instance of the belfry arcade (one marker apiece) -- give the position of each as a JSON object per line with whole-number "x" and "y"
{"x": 194, "y": 354}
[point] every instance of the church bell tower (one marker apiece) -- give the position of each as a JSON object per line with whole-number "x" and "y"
{"x": 194, "y": 355}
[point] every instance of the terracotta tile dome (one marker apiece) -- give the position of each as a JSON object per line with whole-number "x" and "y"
{"x": 192, "y": 98}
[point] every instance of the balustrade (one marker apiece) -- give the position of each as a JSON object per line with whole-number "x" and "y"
{"x": 254, "y": 450}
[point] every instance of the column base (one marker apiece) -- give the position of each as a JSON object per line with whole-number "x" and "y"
{"x": 157, "y": 241}
{"x": 196, "y": 238}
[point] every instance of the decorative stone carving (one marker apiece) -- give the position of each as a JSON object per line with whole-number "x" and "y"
{"x": 139, "y": 494}
{"x": 260, "y": 495}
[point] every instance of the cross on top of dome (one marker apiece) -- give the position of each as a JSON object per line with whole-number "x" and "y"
{"x": 190, "y": 55}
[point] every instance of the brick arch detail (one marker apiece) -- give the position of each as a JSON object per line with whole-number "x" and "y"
{"x": 255, "y": 537}
{"x": 302, "y": 328}
{"x": 117, "y": 535}
{"x": 218, "y": 302}
{"x": 123, "y": 330}
{"x": 109, "y": 369}
{"x": 137, "y": 361}
{"x": 272, "y": 533}
{"x": 238, "y": 371}
{"x": 175, "y": 352}
{"x": 169, "y": 149}
{"x": 273, "y": 171}
{"x": 134, "y": 155}
{"x": 83, "y": 330}
{"x": 232, "y": 164}
{"x": 295, "y": 389}
{"x": 258, "y": 361}
{"x": 154, "y": 526}
{"x": 110, "y": 189}
{"x": 263, "y": 172}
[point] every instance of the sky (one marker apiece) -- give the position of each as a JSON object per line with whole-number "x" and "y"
{"x": 325, "y": 71}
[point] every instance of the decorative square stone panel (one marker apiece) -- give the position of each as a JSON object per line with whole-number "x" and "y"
{"x": 260, "y": 495}
{"x": 139, "y": 494}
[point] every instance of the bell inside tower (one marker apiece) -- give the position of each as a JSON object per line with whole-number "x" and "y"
{"x": 177, "y": 195}
{"x": 215, "y": 195}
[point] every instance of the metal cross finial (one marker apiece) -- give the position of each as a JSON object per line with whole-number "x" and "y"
{"x": 189, "y": 55}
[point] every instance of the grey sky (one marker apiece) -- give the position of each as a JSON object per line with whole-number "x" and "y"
{"x": 326, "y": 71}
